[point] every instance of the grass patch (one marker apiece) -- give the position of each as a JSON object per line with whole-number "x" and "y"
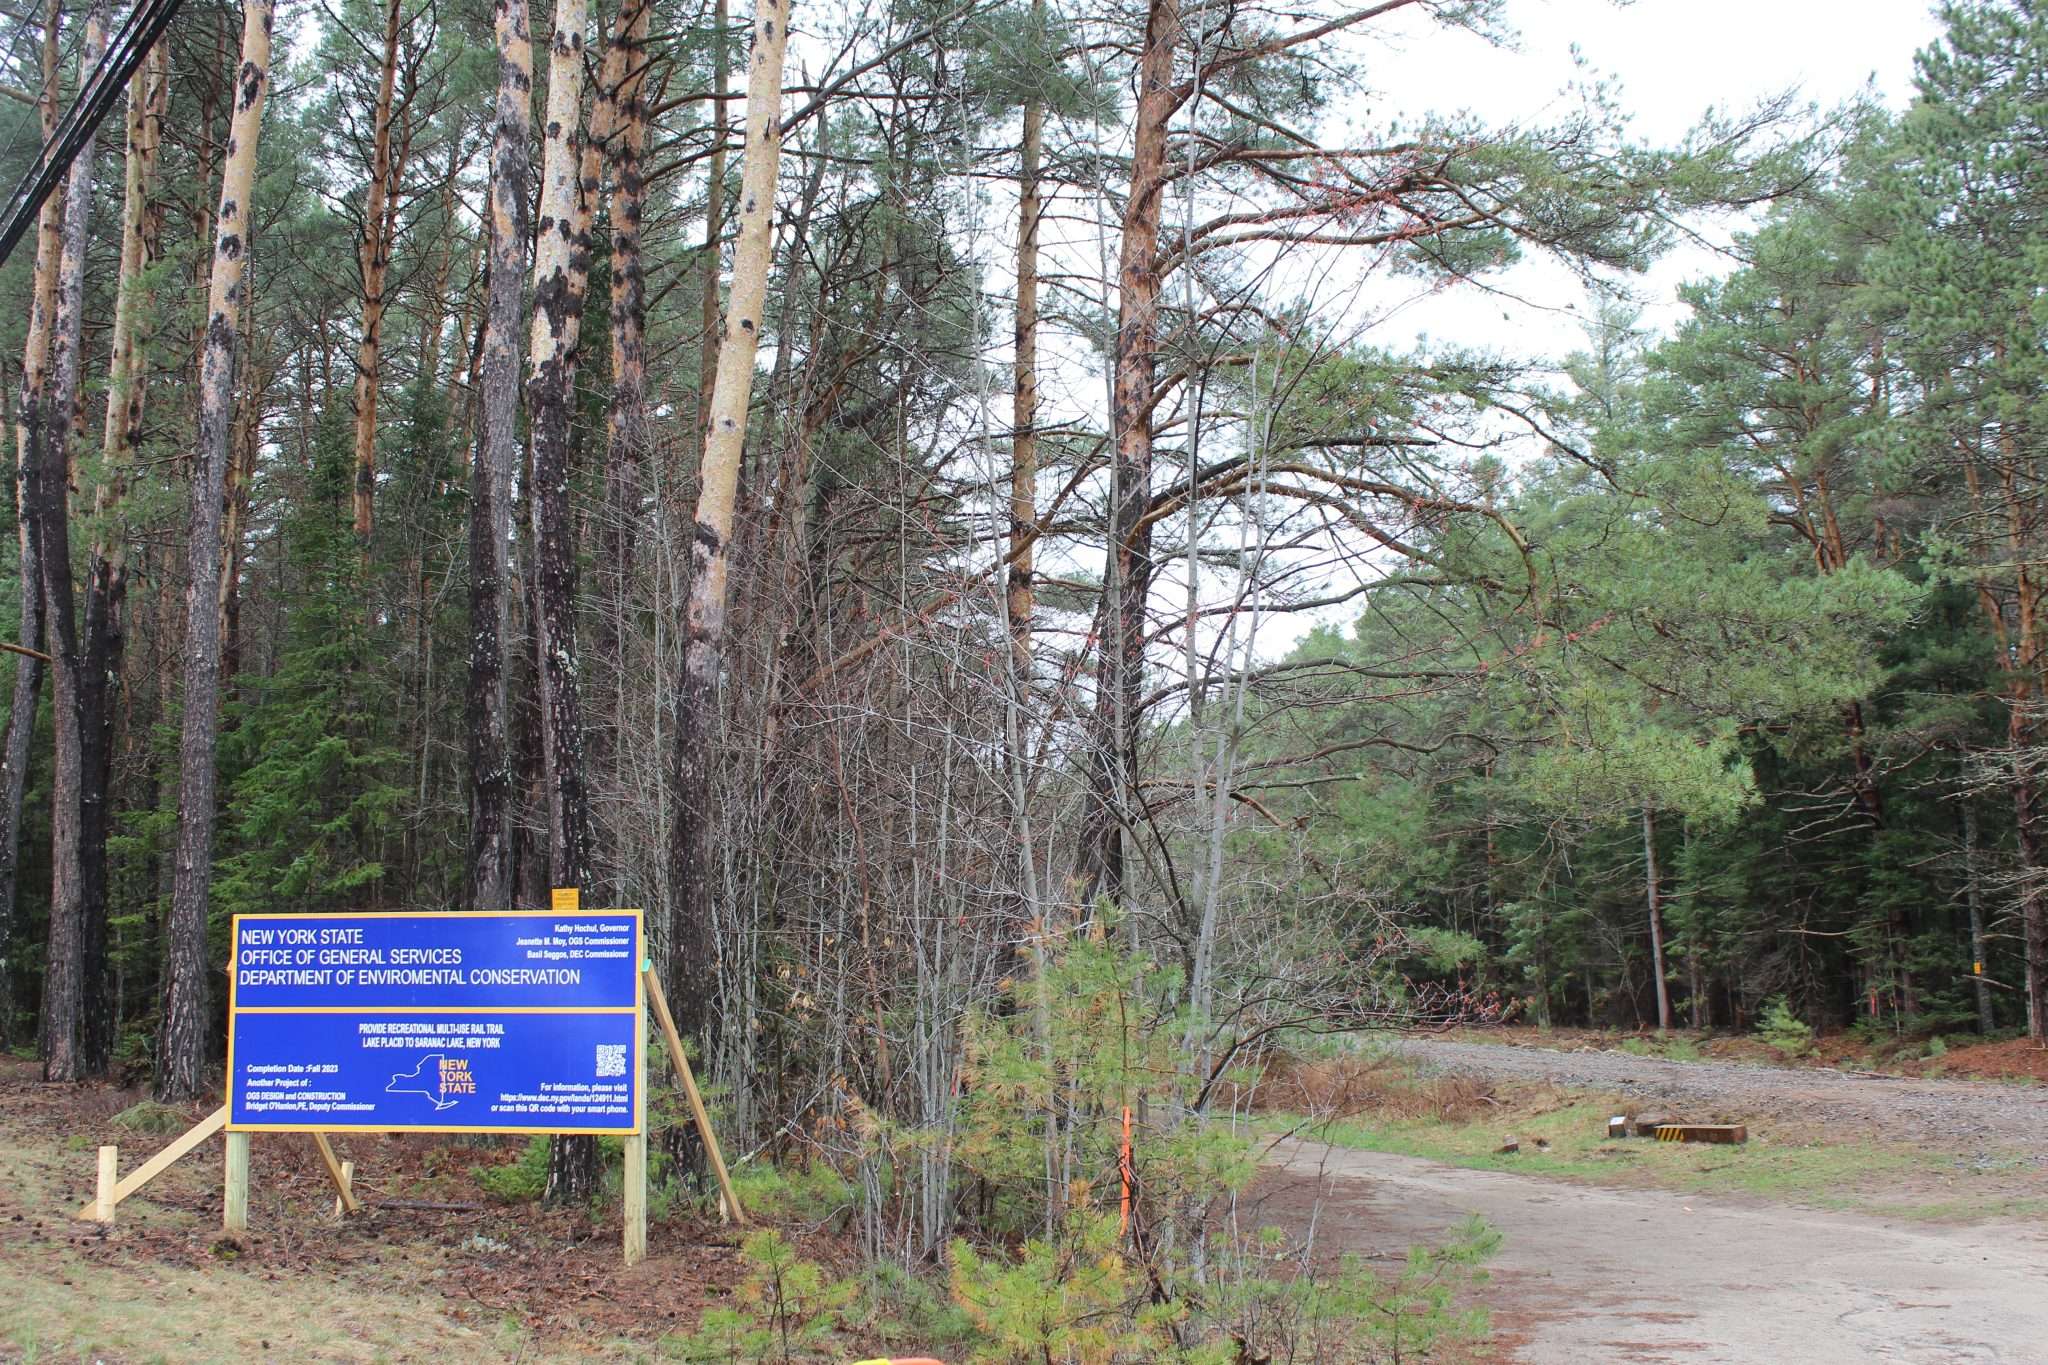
{"x": 1821, "y": 1174}
{"x": 175, "y": 1315}
{"x": 1671, "y": 1047}
{"x": 1379, "y": 1104}
{"x": 151, "y": 1117}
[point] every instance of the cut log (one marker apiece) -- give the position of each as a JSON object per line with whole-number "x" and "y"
{"x": 1647, "y": 1125}
{"x": 1727, "y": 1133}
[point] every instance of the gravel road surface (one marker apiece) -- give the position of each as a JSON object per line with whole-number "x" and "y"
{"x": 1589, "y": 1275}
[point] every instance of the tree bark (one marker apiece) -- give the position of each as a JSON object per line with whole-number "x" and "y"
{"x": 1024, "y": 384}
{"x": 692, "y": 960}
{"x": 1128, "y": 575}
{"x": 491, "y": 475}
{"x": 244, "y": 440}
{"x": 714, "y": 223}
{"x": 2023, "y": 724}
{"x": 107, "y": 563}
{"x": 183, "y": 1041}
{"x": 2026, "y": 800}
{"x": 31, "y": 412}
{"x": 380, "y": 200}
{"x": 75, "y": 1036}
{"x": 626, "y": 418}
{"x": 560, "y": 270}
{"x": 1973, "y": 896}
{"x": 1654, "y": 894}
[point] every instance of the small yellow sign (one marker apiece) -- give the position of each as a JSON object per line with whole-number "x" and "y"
{"x": 1977, "y": 968}
{"x": 568, "y": 900}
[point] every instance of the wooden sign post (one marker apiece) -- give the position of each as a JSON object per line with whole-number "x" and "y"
{"x": 634, "y": 1178}
{"x": 273, "y": 1098}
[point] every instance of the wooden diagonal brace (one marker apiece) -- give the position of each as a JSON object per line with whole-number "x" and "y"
{"x": 161, "y": 1162}
{"x": 681, "y": 1061}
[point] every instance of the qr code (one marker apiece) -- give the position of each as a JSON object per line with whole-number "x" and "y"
{"x": 611, "y": 1059}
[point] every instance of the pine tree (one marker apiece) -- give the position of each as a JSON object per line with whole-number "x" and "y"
{"x": 184, "y": 1042}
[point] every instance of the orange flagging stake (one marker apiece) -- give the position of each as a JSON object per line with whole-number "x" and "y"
{"x": 1123, "y": 1166}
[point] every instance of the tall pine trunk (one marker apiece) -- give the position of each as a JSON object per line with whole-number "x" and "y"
{"x": 1973, "y": 895}
{"x": 714, "y": 224}
{"x": 183, "y": 1040}
{"x": 107, "y": 563}
{"x": 380, "y": 222}
{"x": 692, "y": 960}
{"x": 491, "y": 474}
{"x": 2025, "y": 694}
{"x": 1128, "y": 574}
{"x": 2027, "y": 820}
{"x": 1654, "y": 893}
{"x": 1024, "y": 384}
{"x": 560, "y": 268}
{"x": 626, "y": 418}
{"x": 75, "y": 1032}
{"x": 31, "y": 412}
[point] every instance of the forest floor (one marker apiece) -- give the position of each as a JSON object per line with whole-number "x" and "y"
{"x": 1868, "y": 1218}
{"x": 487, "y": 1282}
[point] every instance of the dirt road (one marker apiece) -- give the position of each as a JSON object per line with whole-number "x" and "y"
{"x": 1597, "y": 1275}
{"x": 1956, "y": 1114}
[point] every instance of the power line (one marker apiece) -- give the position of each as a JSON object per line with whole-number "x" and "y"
{"x": 139, "y": 32}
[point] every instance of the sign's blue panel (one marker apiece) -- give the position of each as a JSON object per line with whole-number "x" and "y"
{"x": 558, "y": 1072}
{"x": 585, "y": 960}
{"x": 524, "y": 1021}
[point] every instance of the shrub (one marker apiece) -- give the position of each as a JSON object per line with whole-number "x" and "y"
{"x": 151, "y": 1117}
{"x": 1784, "y": 1030}
{"x": 809, "y": 1194}
{"x": 1063, "y": 1298}
{"x": 1041, "y": 1123}
{"x": 521, "y": 1181}
{"x": 786, "y": 1311}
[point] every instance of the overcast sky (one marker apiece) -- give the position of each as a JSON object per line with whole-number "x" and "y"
{"x": 1674, "y": 58}
{"x": 1670, "y": 61}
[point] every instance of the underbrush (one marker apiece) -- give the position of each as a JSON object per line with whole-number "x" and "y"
{"x": 1368, "y": 1080}
{"x": 1047, "y": 1254}
{"x": 1065, "y": 1243}
{"x": 1780, "y": 1038}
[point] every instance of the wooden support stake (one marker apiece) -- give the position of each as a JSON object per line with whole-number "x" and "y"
{"x": 636, "y": 1162}
{"x": 234, "y": 1210}
{"x": 161, "y": 1162}
{"x": 110, "y": 1176}
{"x": 348, "y": 1182}
{"x": 339, "y": 1174}
{"x": 681, "y": 1061}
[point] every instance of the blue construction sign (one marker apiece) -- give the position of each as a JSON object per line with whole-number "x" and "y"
{"x": 521, "y": 1022}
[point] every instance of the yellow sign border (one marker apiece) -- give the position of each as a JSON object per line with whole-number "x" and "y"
{"x": 638, "y": 1009}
